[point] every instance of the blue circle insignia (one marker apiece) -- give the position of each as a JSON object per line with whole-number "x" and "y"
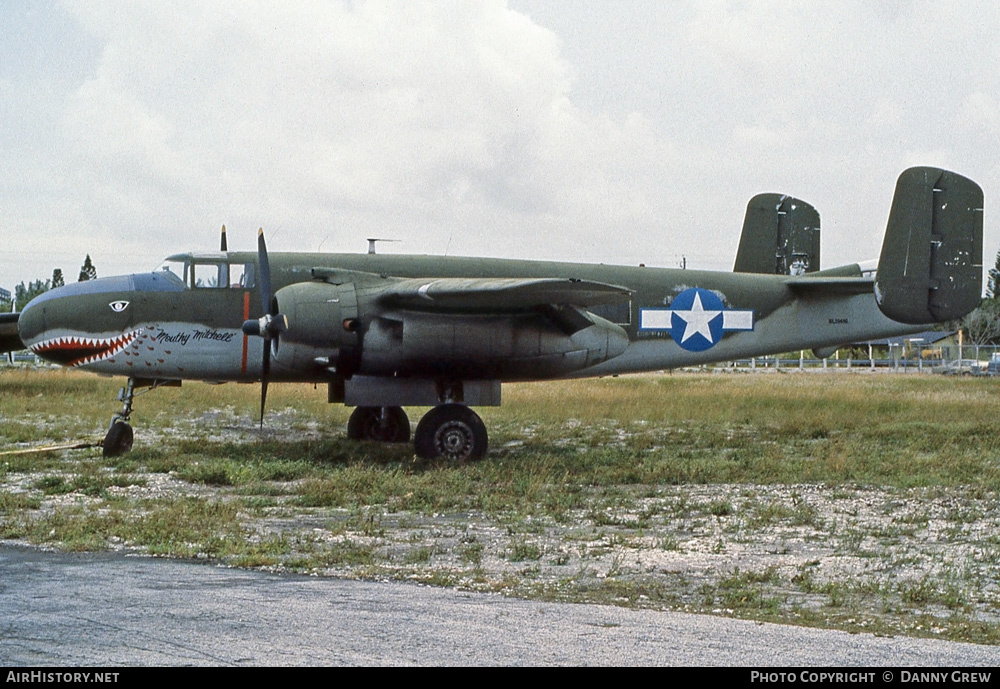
{"x": 696, "y": 319}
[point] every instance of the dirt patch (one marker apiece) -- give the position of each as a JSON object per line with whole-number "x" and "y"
{"x": 891, "y": 560}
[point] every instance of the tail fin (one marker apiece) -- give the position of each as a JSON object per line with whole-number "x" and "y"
{"x": 780, "y": 235}
{"x": 931, "y": 266}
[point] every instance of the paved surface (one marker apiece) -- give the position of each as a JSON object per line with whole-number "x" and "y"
{"x": 100, "y": 609}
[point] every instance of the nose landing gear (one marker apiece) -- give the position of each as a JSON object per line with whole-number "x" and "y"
{"x": 119, "y": 438}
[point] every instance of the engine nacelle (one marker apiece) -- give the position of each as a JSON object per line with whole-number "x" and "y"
{"x": 503, "y": 347}
{"x": 323, "y": 329}
{"x": 320, "y": 315}
{"x": 328, "y": 328}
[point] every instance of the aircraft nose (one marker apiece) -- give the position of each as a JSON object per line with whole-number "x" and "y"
{"x": 71, "y": 324}
{"x": 30, "y": 323}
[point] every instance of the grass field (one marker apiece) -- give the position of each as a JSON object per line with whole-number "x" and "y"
{"x": 852, "y": 500}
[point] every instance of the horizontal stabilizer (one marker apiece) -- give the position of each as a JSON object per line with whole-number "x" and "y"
{"x": 498, "y": 295}
{"x": 931, "y": 265}
{"x": 831, "y": 285}
{"x": 780, "y": 236}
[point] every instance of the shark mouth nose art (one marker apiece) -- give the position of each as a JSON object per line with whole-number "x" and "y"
{"x": 80, "y": 351}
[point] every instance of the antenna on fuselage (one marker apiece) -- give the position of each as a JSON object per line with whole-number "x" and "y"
{"x": 372, "y": 240}
{"x": 223, "y": 246}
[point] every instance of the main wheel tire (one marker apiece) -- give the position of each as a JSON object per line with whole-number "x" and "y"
{"x": 118, "y": 440}
{"x": 366, "y": 424}
{"x": 452, "y": 432}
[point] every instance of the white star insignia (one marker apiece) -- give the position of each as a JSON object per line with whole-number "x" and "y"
{"x": 697, "y": 320}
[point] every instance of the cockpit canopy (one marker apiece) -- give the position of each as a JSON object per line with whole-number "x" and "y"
{"x": 194, "y": 271}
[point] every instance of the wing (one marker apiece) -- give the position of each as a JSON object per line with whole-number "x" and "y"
{"x": 9, "y": 339}
{"x": 498, "y": 295}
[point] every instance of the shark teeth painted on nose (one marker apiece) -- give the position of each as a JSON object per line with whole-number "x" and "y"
{"x": 80, "y": 351}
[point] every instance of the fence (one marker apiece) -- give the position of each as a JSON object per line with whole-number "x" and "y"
{"x": 903, "y": 358}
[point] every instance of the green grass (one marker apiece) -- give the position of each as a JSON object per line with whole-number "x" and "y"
{"x": 612, "y": 465}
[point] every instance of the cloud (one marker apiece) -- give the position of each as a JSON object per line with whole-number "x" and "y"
{"x": 433, "y": 122}
{"x": 625, "y": 133}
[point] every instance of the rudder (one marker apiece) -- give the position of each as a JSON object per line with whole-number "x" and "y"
{"x": 931, "y": 265}
{"x": 780, "y": 236}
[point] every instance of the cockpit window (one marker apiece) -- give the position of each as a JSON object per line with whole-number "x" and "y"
{"x": 201, "y": 274}
{"x": 209, "y": 275}
{"x": 173, "y": 270}
{"x": 241, "y": 275}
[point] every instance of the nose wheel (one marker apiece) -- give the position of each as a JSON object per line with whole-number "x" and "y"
{"x": 118, "y": 440}
{"x": 452, "y": 432}
{"x": 119, "y": 437}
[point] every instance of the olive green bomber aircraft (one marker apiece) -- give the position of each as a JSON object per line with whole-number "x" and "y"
{"x": 387, "y": 331}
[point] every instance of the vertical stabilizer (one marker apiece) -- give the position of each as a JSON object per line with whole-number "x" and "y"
{"x": 931, "y": 266}
{"x": 780, "y": 236}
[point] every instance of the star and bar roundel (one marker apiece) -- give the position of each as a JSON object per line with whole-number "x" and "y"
{"x": 696, "y": 319}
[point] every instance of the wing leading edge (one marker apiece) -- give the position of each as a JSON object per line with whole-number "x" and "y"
{"x": 498, "y": 295}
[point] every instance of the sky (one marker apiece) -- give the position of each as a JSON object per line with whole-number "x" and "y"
{"x": 625, "y": 132}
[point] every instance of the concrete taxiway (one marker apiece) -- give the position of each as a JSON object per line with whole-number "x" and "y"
{"x": 105, "y": 609}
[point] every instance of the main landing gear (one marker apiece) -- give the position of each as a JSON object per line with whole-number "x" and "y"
{"x": 452, "y": 432}
{"x": 449, "y": 431}
{"x": 382, "y": 424}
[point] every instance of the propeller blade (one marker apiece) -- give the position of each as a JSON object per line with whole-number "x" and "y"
{"x": 263, "y": 381}
{"x": 265, "y": 273}
{"x": 224, "y": 245}
{"x": 270, "y": 326}
{"x": 265, "y": 368}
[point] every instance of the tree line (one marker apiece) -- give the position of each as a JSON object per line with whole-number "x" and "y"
{"x": 982, "y": 326}
{"x": 24, "y": 293}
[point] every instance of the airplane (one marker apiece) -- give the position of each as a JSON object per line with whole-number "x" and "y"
{"x": 9, "y": 340}
{"x": 385, "y": 331}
